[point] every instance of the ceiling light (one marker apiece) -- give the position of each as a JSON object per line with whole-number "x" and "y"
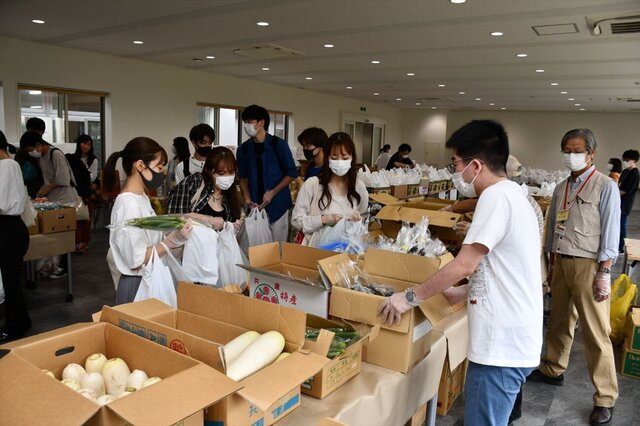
{"x": 376, "y": 94}
{"x": 418, "y": 103}
{"x": 37, "y": 21}
{"x": 433, "y": 107}
{"x": 571, "y": 99}
{"x": 411, "y": 74}
{"x": 540, "y": 70}
{"x": 36, "y": 107}
{"x": 522, "y": 55}
{"x": 563, "y": 93}
{"x": 375, "y": 61}
{"x": 328, "y": 45}
{"x": 211, "y": 57}
{"x": 478, "y": 99}
{"x": 442, "y": 85}
{"x": 497, "y": 33}
{"x": 576, "y": 104}
{"x": 349, "y": 87}
{"x": 398, "y": 99}
{"x": 581, "y": 109}
{"x": 457, "y": 1}
{"x": 308, "y": 78}
{"x": 461, "y": 93}
{"x": 138, "y": 42}
{"x": 554, "y": 84}
{"x": 262, "y": 24}
{"x": 491, "y": 104}
{"x": 502, "y": 108}
{"x": 35, "y": 92}
{"x": 265, "y": 68}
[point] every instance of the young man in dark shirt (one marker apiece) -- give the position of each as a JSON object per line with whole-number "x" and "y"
{"x": 401, "y": 158}
{"x": 628, "y": 185}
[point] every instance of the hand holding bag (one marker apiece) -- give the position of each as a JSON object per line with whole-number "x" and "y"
{"x": 200, "y": 256}
{"x": 257, "y": 225}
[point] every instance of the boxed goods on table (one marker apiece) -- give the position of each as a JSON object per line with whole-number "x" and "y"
{"x": 399, "y": 190}
{"x": 207, "y": 319}
{"x": 398, "y": 347}
{"x": 631, "y": 350}
{"x": 378, "y": 190}
{"x": 29, "y": 396}
{"x": 58, "y": 220}
{"x": 345, "y": 361}
{"x": 630, "y": 363}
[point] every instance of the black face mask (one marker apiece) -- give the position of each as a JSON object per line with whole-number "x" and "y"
{"x": 203, "y": 150}
{"x": 156, "y": 181}
{"x": 308, "y": 154}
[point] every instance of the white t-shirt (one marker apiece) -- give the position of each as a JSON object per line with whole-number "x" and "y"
{"x": 195, "y": 166}
{"x": 505, "y": 297}
{"x": 12, "y": 194}
{"x": 128, "y": 244}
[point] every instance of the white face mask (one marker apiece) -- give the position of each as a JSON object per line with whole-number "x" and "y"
{"x": 340, "y": 167}
{"x": 625, "y": 165}
{"x": 574, "y": 161}
{"x": 609, "y": 166}
{"x": 249, "y": 129}
{"x": 224, "y": 182}
{"x": 35, "y": 154}
{"x": 465, "y": 189}
{"x": 404, "y": 156}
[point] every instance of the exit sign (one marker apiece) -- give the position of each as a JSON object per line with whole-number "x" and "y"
{"x": 363, "y": 109}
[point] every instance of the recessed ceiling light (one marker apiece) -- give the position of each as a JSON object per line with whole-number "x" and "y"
{"x": 497, "y": 33}
{"x": 522, "y": 55}
{"x": 37, "y": 21}
{"x": 328, "y": 45}
{"x": 554, "y": 84}
{"x": 262, "y": 24}
{"x": 442, "y": 85}
{"x": 265, "y": 68}
{"x": 563, "y": 93}
{"x": 398, "y": 99}
{"x": 411, "y": 74}
{"x": 576, "y": 104}
{"x": 418, "y": 103}
{"x": 461, "y": 93}
{"x": 478, "y": 99}
{"x": 540, "y": 70}
{"x": 491, "y": 104}
{"x": 457, "y": 1}
{"x": 349, "y": 87}
{"x": 571, "y": 99}
{"x": 376, "y": 94}
{"x": 581, "y": 109}
{"x": 211, "y": 57}
{"x": 502, "y": 108}
{"x": 375, "y": 61}
{"x": 36, "y": 107}
{"x": 433, "y": 107}
{"x": 138, "y": 42}
{"x": 308, "y": 78}
{"x": 35, "y": 92}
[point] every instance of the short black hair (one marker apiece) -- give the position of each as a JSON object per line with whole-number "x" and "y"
{"x": 5, "y": 145}
{"x": 199, "y": 131}
{"x": 35, "y": 123}
{"x": 485, "y": 140}
{"x": 617, "y": 165}
{"x": 404, "y": 147}
{"x": 30, "y": 139}
{"x": 256, "y": 112}
{"x": 313, "y": 136}
{"x": 631, "y": 154}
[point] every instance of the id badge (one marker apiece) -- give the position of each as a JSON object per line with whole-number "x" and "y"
{"x": 562, "y": 215}
{"x": 560, "y": 229}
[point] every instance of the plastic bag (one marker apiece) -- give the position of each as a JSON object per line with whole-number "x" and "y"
{"x": 82, "y": 211}
{"x": 345, "y": 236}
{"x": 200, "y": 257}
{"x": 157, "y": 282}
{"x": 349, "y": 275}
{"x": 623, "y": 293}
{"x": 257, "y": 227}
{"x": 229, "y": 255}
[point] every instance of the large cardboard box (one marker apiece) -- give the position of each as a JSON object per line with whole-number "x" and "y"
{"x": 399, "y": 191}
{"x": 287, "y": 275}
{"x": 342, "y": 368}
{"x": 633, "y": 329}
{"x": 204, "y": 321}
{"x": 51, "y": 221}
{"x": 398, "y": 347}
{"x": 630, "y": 362}
{"x": 28, "y": 396}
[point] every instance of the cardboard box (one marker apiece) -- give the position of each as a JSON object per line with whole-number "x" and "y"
{"x": 35, "y": 228}
{"x": 633, "y": 328}
{"x": 340, "y": 369}
{"x": 630, "y": 362}
{"x": 378, "y": 190}
{"x": 287, "y": 275}
{"x": 399, "y": 190}
{"x": 31, "y": 397}
{"x": 413, "y": 190}
{"x": 451, "y": 386}
{"x": 205, "y": 320}
{"x": 423, "y": 187}
{"x": 51, "y": 221}
{"x": 419, "y": 418}
{"x": 411, "y": 339}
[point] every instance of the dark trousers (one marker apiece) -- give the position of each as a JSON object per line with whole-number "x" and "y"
{"x": 13, "y": 247}
{"x": 623, "y": 230}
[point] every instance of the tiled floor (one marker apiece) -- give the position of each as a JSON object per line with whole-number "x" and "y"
{"x": 570, "y": 404}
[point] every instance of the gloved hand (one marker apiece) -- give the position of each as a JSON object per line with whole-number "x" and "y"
{"x": 331, "y": 219}
{"x": 178, "y": 237}
{"x": 461, "y": 228}
{"x": 393, "y": 307}
{"x": 602, "y": 286}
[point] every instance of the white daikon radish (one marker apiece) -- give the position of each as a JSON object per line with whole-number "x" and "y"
{"x": 283, "y": 355}
{"x": 127, "y": 391}
{"x": 239, "y": 344}
{"x": 94, "y": 363}
{"x": 95, "y": 382}
{"x": 151, "y": 381}
{"x": 104, "y": 399}
{"x": 88, "y": 393}
{"x": 115, "y": 373}
{"x": 49, "y": 373}
{"x": 262, "y": 352}
{"x": 136, "y": 379}
{"x": 74, "y": 372}
{"x": 72, "y": 384}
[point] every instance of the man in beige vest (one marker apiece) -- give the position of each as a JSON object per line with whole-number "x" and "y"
{"x": 582, "y": 234}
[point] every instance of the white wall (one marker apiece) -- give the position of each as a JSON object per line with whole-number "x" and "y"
{"x": 420, "y": 127}
{"x": 159, "y": 101}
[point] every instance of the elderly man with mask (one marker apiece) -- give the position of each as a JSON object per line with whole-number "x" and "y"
{"x": 582, "y": 239}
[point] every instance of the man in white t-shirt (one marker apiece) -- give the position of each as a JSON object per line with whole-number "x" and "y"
{"x": 501, "y": 257}
{"x": 202, "y": 137}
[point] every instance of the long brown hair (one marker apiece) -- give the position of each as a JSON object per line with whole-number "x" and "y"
{"x": 218, "y": 158}
{"x": 339, "y": 140}
{"x": 140, "y": 148}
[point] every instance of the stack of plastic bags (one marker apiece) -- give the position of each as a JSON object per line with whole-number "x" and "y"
{"x": 435, "y": 175}
{"x": 386, "y": 178}
{"x": 413, "y": 240}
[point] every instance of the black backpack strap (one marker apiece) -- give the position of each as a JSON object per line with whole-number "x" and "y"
{"x": 185, "y": 167}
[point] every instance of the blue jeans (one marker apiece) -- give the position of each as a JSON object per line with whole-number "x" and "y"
{"x": 490, "y": 392}
{"x": 623, "y": 231}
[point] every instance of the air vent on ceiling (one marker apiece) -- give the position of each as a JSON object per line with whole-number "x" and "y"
{"x": 628, "y": 99}
{"x": 555, "y": 29}
{"x": 267, "y": 51}
{"x": 431, "y": 99}
{"x": 619, "y": 25}
{"x": 625, "y": 27}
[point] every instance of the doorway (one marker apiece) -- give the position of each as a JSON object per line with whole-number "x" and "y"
{"x": 368, "y": 138}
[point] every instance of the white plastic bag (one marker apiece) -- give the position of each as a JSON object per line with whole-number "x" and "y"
{"x": 229, "y": 255}
{"x": 157, "y": 282}
{"x": 257, "y": 224}
{"x": 200, "y": 256}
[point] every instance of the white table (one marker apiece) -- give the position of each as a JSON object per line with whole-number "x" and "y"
{"x": 56, "y": 244}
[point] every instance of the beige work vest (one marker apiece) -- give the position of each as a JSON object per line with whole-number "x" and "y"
{"x": 583, "y": 227}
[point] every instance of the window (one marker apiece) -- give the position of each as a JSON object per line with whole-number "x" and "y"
{"x": 67, "y": 114}
{"x": 226, "y": 121}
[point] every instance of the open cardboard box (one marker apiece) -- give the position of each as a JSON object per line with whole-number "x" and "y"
{"x": 287, "y": 274}
{"x": 342, "y": 368}
{"x": 204, "y": 321}
{"x": 398, "y": 347}
{"x": 60, "y": 220}
{"x": 31, "y": 397}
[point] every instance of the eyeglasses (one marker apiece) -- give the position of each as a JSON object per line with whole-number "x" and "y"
{"x": 451, "y": 167}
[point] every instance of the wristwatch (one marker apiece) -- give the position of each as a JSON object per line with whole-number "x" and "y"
{"x": 605, "y": 270}
{"x": 410, "y": 295}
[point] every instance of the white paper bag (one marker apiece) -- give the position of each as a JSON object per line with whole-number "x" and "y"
{"x": 229, "y": 255}
{"x": 200, "y": 256}
{"x": 257, "y": 224}
{"x": 157, "y": 282}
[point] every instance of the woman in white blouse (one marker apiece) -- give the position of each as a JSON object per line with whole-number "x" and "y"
{"x": 14, "y": 245}
{"x": 335, "y": 194}
{"x": 130, "y": 248}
